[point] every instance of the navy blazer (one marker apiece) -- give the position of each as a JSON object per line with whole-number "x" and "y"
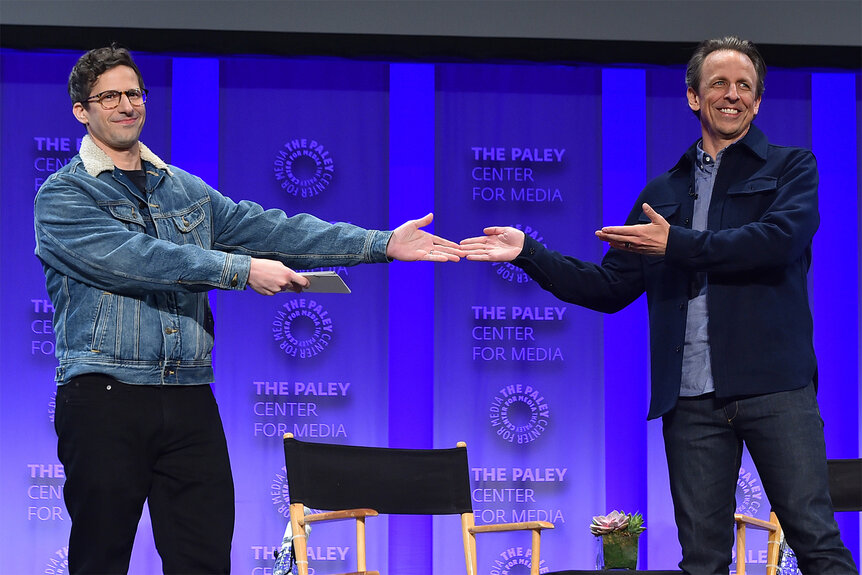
{"x": 756, "y": 252}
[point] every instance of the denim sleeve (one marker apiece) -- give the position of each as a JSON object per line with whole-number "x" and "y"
{"x": 77, "y": 237}
{"x": 301, "y": 241}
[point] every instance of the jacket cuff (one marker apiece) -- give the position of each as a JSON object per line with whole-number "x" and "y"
{"x": 531, "y": 247}
{"x": 675, "y": 251}
{"x": 236, "y": 270}
{"x": 376, "y": 243}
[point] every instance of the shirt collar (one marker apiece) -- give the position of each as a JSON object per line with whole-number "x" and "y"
{"x": 754, "y": 141}
{"x": 705, "y": 162}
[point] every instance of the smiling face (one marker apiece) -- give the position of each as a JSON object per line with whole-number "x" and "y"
{"x": 115, "y": 131}
{"x": 725, "y": 99}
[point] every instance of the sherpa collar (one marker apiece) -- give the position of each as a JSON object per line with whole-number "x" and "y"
{"x": 97, "y": 161}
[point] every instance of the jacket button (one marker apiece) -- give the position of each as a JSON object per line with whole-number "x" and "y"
{"x": 678, "y": 348}
{"x": 687, "y": 221}
{"x": 681, "y": 306}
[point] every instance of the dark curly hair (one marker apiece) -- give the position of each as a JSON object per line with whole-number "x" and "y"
{"x": 95, "y": 63}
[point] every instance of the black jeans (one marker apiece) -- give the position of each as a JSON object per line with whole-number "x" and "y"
{"x": 124, "y": 444}
{"x": 784, "y": 435}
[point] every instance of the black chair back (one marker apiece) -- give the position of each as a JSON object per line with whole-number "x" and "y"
{"x": 845, "y": 484}
{"x": 326, "y": 476}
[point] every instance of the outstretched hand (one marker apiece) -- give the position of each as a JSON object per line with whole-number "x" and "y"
{"x": 499, "y": 244}
{"x": 645, "y": 239}
{"x": 409, "y": 244}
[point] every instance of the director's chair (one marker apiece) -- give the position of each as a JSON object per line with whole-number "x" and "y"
{"x": 349, "y": 482}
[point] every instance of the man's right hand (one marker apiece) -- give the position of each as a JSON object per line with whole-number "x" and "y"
{"x": 499, "y": 244}
{"x": 269, "y": 277}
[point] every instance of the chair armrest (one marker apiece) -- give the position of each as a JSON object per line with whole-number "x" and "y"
{"x": 523, "y": 526}
{"x": 338, "y": 515}
{"x": 754, "y": 523}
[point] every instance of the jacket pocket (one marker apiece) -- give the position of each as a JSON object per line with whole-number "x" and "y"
{"x": 761, "y": 185}
{"x": 190, "y": 226}
{"x": 129, "y": 214}
{"x": 101, "y": 321}
{"x": 747, "y": 201}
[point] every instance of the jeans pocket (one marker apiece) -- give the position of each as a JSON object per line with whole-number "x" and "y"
{"x": 88, "y": 390}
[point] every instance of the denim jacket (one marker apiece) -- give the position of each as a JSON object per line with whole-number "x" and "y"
{"x": 128, "y": 274}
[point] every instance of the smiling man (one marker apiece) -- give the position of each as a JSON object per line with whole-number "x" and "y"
{"x": 721, "y": 244}
{"x": 115, "y": 124}
{"x": 130, "y": 246}
{"x": 726, "y": 97}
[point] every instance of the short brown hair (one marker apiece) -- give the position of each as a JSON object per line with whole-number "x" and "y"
{"x": 695, "y": 64}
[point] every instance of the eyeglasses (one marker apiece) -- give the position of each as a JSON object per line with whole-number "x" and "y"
{"x": 110, "y": 99}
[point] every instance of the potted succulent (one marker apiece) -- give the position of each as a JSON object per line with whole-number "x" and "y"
{"x": 617, "y": 537}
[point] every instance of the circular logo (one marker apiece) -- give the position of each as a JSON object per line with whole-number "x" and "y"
{"x": 511, "y": 273}
{"x": 519, "y": 414}
{"x": 58, "y": 563}
{"x": 280, "y": 494}
{"x": 52, "y": 405}
{"x": 516, "y": 561}
{"x": 302, "y": 328}
{"x": 749, "y": 493}
{"x": 303, "y": 168}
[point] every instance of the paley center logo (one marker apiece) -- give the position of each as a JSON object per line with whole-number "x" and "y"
{"x": 303, "y": 168}
{"x": 52, "y": 405}
{"x": 280, "y": 493}
{"x": 302, "y": 328}
{"x": 511, "y": 273}
{"x": 516, "y": 561}
{"x": 58, "y": 563}
{"x": 519, "y": 413}
{"x": 749, "y": 493}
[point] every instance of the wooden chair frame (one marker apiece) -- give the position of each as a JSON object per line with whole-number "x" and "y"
{"x": 773, "y": 527}
{"x": 845, "y": 488}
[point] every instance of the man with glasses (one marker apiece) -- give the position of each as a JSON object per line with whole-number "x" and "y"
{"x": 130, "y": 246}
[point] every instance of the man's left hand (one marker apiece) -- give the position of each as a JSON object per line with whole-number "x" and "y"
{"x": 645, "y": 239}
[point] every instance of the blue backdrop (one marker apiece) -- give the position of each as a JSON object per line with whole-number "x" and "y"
{"x": 550, "y": 398}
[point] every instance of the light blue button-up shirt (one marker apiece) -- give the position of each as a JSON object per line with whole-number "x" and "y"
{"x": 696, "y": 368}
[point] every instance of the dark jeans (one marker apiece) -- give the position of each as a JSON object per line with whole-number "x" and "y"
{"x": 784, "y": 435}
{"x": 122, "y": 445}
